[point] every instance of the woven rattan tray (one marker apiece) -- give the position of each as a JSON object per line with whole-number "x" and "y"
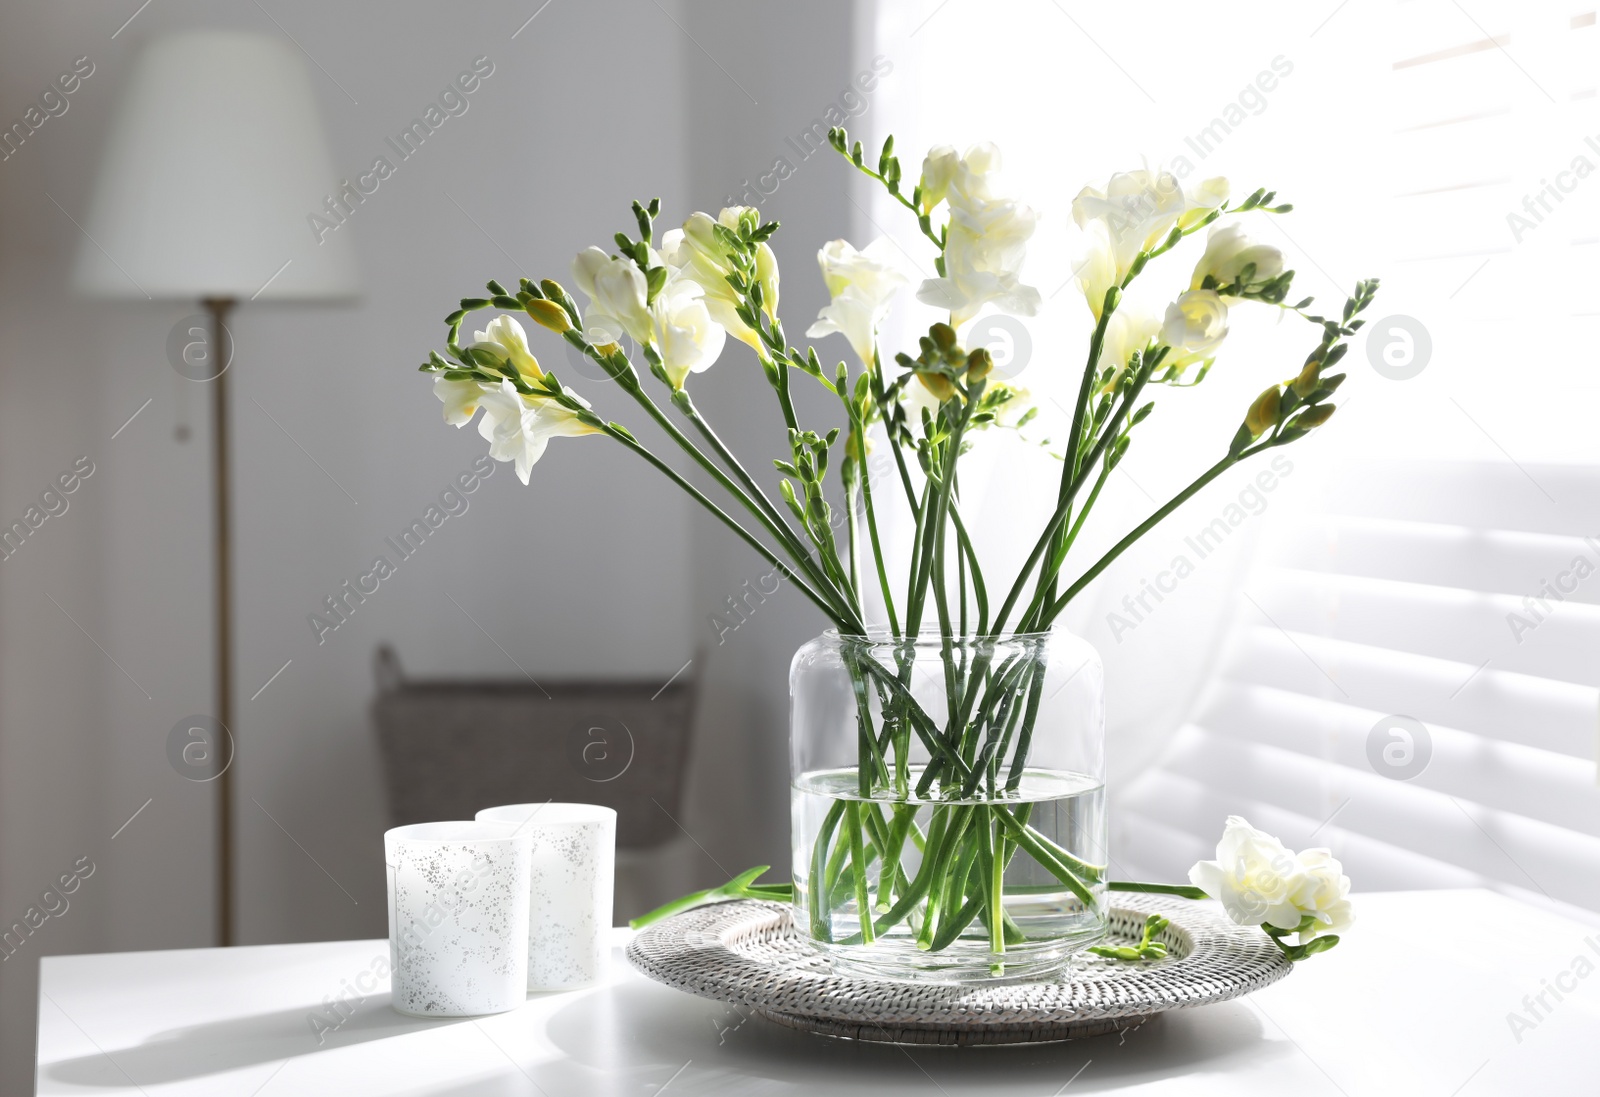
{"x": 748, "y": 953}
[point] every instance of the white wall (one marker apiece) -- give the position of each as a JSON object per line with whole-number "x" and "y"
{"x": 597, "y": 568}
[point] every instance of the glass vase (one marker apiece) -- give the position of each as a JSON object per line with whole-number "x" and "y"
{"x": 953, "y": 788}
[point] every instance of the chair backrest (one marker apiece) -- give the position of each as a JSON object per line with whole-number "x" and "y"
{"x": 454, "y": 746}
{"x": 1412, "y": 678}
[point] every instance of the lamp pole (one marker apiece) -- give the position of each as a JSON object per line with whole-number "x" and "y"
{"x": 222, "y": 348}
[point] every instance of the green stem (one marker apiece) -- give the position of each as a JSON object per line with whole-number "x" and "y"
{"x": 859, "y": 860}
{"x": 1027, "y": 838}
{"x": 773, "y": 516}
{"x": 1185, "y": 891}
{"x": 817, "y": 892}
{"x": 831, "y": 612}
{"x": 1146, "y": 526}
{"x": 994, "y": 892}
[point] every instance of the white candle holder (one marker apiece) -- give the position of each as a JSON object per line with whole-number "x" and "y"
{"x": 574, "y": 865}
{"x": 458, "y": 917}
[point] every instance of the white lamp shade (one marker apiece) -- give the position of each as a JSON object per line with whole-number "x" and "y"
{"x": 216, "y": 160}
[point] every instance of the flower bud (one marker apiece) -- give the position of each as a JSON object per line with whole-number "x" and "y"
{"x": 1310, "y": 377}
{"x": 979, "y": 364}
{"x": 548, "y": 314}
{"x": 1314, "y": 416}
{"x": 1231, "y": 256}
{"x": 553, "y": 290}
{"x": 1263, "y": 414}
{"x": 938, "y": 384}
{"x": 944, "y": 336}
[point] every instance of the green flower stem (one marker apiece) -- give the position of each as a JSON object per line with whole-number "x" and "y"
{"x": 869, "y": 760}
{"x": 872, "y": 533}
{"x": 852, "y": 496}
{"x": 1051, "y": 538}
{"x": 1008, "y": 718}
{"x": 913, "y": 609}
{"x": 841, "y": 611}
{"x": 972, "y": 891}
{"x": 774, "y": 516}
{"x": 979, "y": 590}
{"x": 948, "y": 849}
{"x": 880, "y": 394}
{"x": 1184, "y": 891}
{"x": 955, "y": 923}
{"x": 1069, "y": 463}
{"x": 836, "y": 861}
{"x": 999, "y": 685}
{"x": 741, "y": 886}
{"x": 915, "y": 892}
{"x": 999, "y": 722}
{"x": 817, "y": 891}
{"x": 859, "y": 860}
{"x": 894, "y": 192}
{"x": 1027, "y": 838}
{"x": 1080, "y": 868}
{"x": 899, "y": 826}
{"x": 1146, "y": 526}
{"x": 919, "y": 721}
{"x": 828, "y": 610}
{"x": 993, "y": 877}
{"x": 1019, "y": 757}
{"x": 961, "y": 587}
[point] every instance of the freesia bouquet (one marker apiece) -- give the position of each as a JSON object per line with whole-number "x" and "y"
{"x": 922, "y": 843}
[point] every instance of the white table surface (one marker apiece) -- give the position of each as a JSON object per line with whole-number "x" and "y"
{"x": 1397, "y": 1009}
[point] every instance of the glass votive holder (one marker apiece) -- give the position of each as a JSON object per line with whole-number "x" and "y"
{"x": 458, "y": 917}
{"x": 570, "y": 890}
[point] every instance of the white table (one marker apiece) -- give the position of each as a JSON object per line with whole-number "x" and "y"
{"x": 1395, "y": 1009}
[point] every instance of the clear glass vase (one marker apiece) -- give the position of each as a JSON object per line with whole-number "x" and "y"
{"x": 967, "y": 778}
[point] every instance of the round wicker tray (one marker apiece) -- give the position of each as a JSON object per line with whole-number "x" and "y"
{"x": 748, "y": 953}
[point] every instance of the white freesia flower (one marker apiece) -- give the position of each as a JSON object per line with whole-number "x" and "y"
{"x": 695, "y": 252}
{"x": 1260, "y": 882}
{"x": 505, "y": 339}
{"x": 938, "y": 169}
{"x": 518, "y": 427}
{"x": 1137, "y": 210}
{"x": 1254, "y": 877}
{"x": 1095, "y": 266}
{"x": 1194, "y": 327}
{"x": 1129, "y": 330}
{"x": 617, "y": 293}
{"x": 685, "y": 335}
{"x": 862, "y": 284}
{"x": 1228, "y": 251}
{"x": 985, "y": 245}
{"x": 1207, "y": 195}
{"x": 1322, "y": 890}
{"x": 461, "y": 399}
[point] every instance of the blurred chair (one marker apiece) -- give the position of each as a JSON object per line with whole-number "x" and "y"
{"x": 451, "y": 746}
{"x": 1465, "y": 596}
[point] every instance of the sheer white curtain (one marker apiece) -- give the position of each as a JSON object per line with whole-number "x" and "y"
{"x": 1405, "y": 134}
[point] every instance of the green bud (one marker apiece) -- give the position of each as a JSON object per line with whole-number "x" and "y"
{"x": 1314, "y": 416}
{"x": 1305, "y": 384}
{"x": 1263, "y": 414}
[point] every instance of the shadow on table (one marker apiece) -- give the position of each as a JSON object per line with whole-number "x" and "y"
{"x": 664, "y": 1026}
{"x": 198, "y": 1050}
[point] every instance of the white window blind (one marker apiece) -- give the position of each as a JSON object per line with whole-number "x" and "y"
{"x": 1453, "y": 593}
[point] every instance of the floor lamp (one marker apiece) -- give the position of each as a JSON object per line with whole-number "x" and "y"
{"x": 215, "y": 163}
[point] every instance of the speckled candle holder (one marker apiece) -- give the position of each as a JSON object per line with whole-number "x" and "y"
{"x": 574, "y": 862}
{"x": 458, "y": 917}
